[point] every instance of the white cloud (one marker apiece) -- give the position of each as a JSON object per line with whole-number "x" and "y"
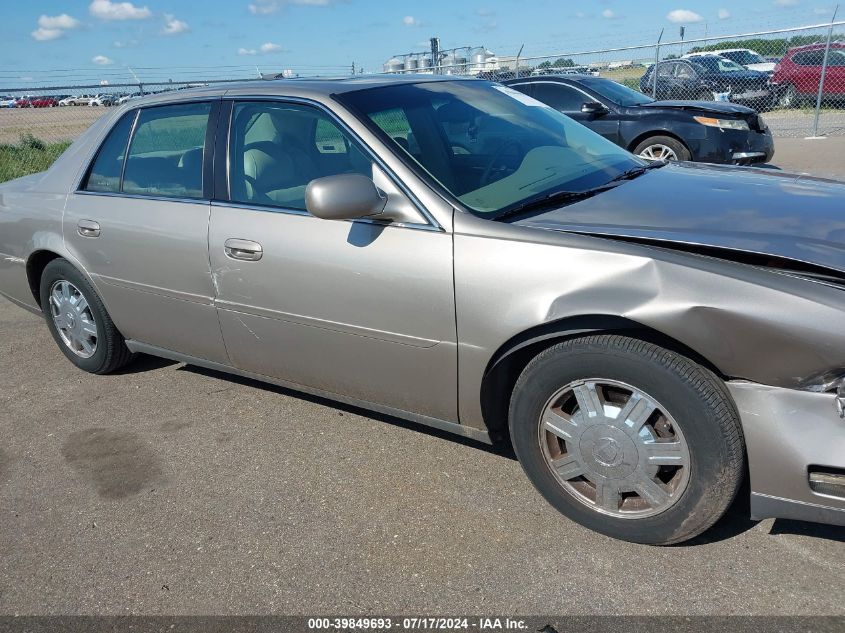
{"x": 269, "y": 47}
{"x": 679, "y": 16}
{"x": 724, "y": 14}
{"x": 410, "y": 20}
{"x": 45, "y": 35}
{"x": 264, "y": 7}
{"x": 107, "y": 10}
{"x": 246, "y": 51}
{"x": 608, "y": 14}
{"x": 125, "y": 43}
{"x": 51, "y": 27}
{"x": 102, "y": 60}
{"x": 172, "y": 26}
{"x": 786, "y": 3}
{"x": 580, "y": 15}
{"x": 63, "y": 21}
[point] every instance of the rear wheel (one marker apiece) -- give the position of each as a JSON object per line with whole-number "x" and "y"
{"x": 628, "y": 438}
{"x": 78, "y": 321}
{"x": 662, "y": 148}
{"x": 789, "y": 98}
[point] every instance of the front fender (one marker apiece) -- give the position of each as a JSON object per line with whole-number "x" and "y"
{"x": 744, "y": 322}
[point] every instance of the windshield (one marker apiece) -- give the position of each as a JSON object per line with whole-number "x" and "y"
{"x": 487, "y": 145}
{"x": 615, "y": 92}
{"x": 719, "y": 64}
{"x": 743, "y": 57}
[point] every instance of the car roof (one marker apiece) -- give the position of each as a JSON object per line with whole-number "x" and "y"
{"x": 554, "y": 77}
{"x": 316, "y": 87}
{"x": 816, "y": 46}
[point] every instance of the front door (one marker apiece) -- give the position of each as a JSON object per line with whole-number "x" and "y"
{"x": 569, "y": 100}
{"x": 361, "y": 309}
{"x": 139, "y": 227}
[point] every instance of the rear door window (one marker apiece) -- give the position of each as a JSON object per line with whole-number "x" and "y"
{"x": 166, "y": 151}
{"x": 104, "y": 175}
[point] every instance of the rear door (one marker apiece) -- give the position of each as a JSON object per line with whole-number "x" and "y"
{"x": 138, "y": 224}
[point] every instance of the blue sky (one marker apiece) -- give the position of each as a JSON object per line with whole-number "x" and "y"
{"x": 68, "y": 41}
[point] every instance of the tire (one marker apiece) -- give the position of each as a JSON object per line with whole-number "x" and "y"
{"x": 655, "y": 146}
{"x": 789, "y": 98}
{"x": 108, "y": 348}
{"x": 691, "y": 400}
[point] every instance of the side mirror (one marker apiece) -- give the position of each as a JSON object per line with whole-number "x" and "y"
{"x": 344, "y": 197}
{"x": 594, "y": 108}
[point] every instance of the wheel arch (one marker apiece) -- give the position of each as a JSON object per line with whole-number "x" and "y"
{"x": 35, "y": 265}
{"x": 511, "y": 357}
{"x": 648, "y": 134}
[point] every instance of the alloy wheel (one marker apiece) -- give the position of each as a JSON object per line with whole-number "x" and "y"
{"x": 73, "y": 318}
{"x": 659, "y": 152}
{"x": 614, "y": 448}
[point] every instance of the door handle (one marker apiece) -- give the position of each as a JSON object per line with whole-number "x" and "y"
{"x": 88, "y": 228}
{"x": 245, "y": 250}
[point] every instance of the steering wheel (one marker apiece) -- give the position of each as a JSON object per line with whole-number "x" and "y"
{"x": 488, "y": 171}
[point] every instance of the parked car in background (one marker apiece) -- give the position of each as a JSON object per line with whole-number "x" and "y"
{"x": 43, "y": 102}
{"x": 102, "y": 100}
{"x": 23, "y": 102}
{"x": 456, "y": 253}
{"x": 8, "y": 102}
{"x": 742, "y": 56}
{"x": 67, "y": 101}
{"x": 81, "y": 100}
{"x": 707, "y": 131}
{"x": 124, "y": 98}
{"x": 705, "y": 78}
{"x": 796, "y": 78}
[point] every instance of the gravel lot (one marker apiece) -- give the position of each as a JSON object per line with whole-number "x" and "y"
{"x": 173, "y": 490}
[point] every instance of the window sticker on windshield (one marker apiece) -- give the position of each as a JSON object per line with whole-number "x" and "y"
{"x": 522, "y": 98}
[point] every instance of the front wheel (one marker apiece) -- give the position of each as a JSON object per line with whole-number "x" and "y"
{"x": 78, "y": 321}
{"x": 663, "y": 148}
{"x": 627, "y": 438}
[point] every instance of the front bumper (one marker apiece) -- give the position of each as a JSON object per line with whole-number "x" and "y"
{"x": 738, "y": 147}
{"x": 788, "y": 434}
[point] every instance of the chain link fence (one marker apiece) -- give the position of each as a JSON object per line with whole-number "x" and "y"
{"x": 795, "y": 77}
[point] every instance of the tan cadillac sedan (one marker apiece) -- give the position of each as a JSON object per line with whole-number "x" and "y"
{"x": 458, "y": 254}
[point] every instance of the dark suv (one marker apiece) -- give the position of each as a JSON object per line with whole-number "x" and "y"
{"x": 705, "y": 78}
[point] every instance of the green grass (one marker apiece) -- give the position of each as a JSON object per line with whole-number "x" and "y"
{"x": 29, "y": 156}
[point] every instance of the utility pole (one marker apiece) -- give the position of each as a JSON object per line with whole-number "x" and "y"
{"x": 353, "y": 68}
{"x": 518, "y": 54}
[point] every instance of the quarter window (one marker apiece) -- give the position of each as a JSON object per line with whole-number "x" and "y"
{"x": 104, "y": 175}
{"x": 166, "y": 151}
{"x": 276, "y": 149}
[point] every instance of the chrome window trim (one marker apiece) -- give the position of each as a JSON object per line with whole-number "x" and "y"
{"x": 141, "y": 196}
{"x": 301, "y": 212}
{"x": 432, "y": 223}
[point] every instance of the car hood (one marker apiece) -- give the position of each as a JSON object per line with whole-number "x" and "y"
{"x": 726, "y": 208}
{"x": 715, "y": 107}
